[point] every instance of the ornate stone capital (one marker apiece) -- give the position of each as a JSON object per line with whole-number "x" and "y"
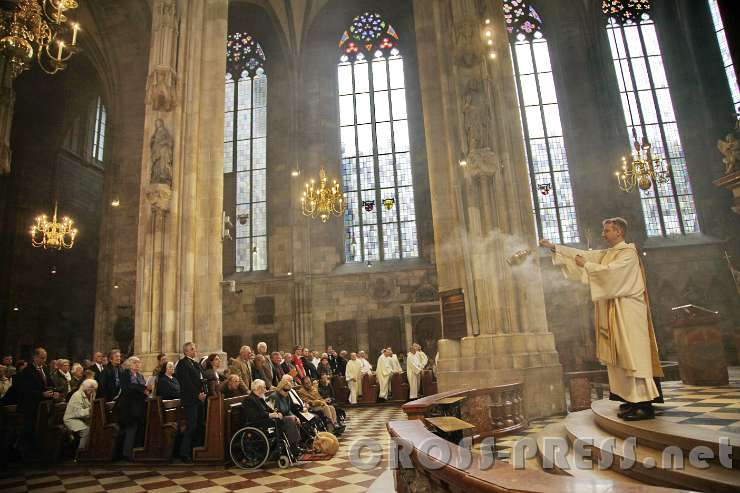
{"x": 158, "y": 195}
{"x": 161, "y": 89}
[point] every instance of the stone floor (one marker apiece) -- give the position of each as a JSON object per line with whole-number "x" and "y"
{"x": 717, "y": 408}
{"x": 337, "y": 475}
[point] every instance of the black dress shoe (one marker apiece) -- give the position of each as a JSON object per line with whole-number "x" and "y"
{"x": 639, "y": 414}
{"x": 625, "y": 405}
{"x": 628, "y": 408}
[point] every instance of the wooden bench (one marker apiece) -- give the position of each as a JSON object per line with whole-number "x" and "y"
{"x": 101, "y": 445}
{"x": 428, "y": 385}
{"x": 50, "y": 430}
{"x": 162, "y": 423}
{"x": 223, "y": 418}
{"x": 399, "y": 387}
{"x": 341, "y": 390}
{"x": 370, "y": 389}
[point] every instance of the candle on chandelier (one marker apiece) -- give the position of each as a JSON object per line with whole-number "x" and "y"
{"x": 59, "y": 10}
{"x": 59, "y": 51}
{"x": 75, "y": 27}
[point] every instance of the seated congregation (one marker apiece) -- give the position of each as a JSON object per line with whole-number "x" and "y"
{"x": 193, "y": 409}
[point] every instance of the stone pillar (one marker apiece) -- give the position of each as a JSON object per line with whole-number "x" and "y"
{"x": 482, "y": 210}
{"x": 7, "y": 104}
{"x": 179, "y": 269}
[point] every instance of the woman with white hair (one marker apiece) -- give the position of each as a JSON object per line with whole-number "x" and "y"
{"x": 77, "y": 413}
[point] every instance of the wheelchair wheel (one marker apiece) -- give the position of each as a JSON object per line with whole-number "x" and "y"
{"x": 249, "y": 448}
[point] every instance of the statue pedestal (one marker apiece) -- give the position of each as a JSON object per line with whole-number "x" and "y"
{"x": 731, "y": 182}
{"x": 487, "y": 360}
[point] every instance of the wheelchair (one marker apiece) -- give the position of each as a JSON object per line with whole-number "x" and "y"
{"x": 253, "y": 445}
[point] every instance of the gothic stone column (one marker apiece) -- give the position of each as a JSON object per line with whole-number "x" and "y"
{"x": 482, "y": 210}
{"x": 178, "y": 293}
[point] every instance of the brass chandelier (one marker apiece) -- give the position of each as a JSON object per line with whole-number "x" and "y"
{"x": 53, "y": 234}
{"x": 35, "y": 28}
{"x": 322, "y": 201}
{"x": 644, "y": 170}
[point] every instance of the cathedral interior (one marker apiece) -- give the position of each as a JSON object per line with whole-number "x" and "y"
{"x": 189, "y": 140}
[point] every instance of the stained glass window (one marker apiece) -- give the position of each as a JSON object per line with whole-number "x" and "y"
{"x": 552, "y": 193}
{"x": 99, "y": 130}
{"x": 245, "y": 147}
{"x": 646, "y": 100}
{"x": 719, "y": 30}
{"x": 380, "y": 220}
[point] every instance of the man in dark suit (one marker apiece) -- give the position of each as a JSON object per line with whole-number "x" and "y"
{"x": 34, "y": 386}
{"x": 112, "y": 376}
{"x": 277, "y": 368}
{"x": 259, "y": 412}
{"x": 97, "y": 365}
{"x": 190, "y": 375}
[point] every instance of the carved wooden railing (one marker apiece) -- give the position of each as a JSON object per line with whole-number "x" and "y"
{"x": 495, "y": 411}
{"x": 429, "y": 469}
{"x": 582, "y": 385}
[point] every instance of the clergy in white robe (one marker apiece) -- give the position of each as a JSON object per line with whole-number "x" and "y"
{"x": 385, "y": 370}
{"x": 625, "y": 340}
{"x": 353, "y": 375}
{"x": 415, "y": 362}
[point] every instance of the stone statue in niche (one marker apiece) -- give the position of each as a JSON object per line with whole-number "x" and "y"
{"x": 162, "y": 147}
{"x": 729, "y": 147}
{"x": 475, "y": 117}
{"x": 161, "y": 89}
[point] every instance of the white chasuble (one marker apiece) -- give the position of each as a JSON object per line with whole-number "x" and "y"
{"x": 414, "y": 365}
{"x": 625, "y": 341}
{"x": 353, "y": 375}
{"x": 384, "y": 371}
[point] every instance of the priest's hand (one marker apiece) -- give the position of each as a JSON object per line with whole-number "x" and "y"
{"x": 547, "y": 244}
{"x": 580, "y": 260}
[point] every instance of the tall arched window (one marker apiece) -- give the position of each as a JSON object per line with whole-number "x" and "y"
{"x": 719, "y": 30}
{"x": 245, "y": 148}
{"x": 668, "y": 208}
{"x": 543, "y": 135}
{"x": 99, "y": 130}
{"x": 380, "y": 220}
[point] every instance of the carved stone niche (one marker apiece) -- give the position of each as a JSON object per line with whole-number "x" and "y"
{"x": 161, "y": 89}
{"x": 467, "y": 43}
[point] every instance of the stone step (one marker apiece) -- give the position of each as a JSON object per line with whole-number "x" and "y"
{"x": 659, "y": 433}
{"x": 648, "y": 466}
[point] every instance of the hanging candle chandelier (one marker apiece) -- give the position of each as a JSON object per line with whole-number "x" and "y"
{"x": 322, "y": 201}
{"x": 643, "y": 170}
{"x": 53, "y": 234}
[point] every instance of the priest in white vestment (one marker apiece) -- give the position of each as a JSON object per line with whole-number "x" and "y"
{"x": 385, "y": 369}
{"x": 415, "y": 362}
{"x": 625, "y": 340}
{"x": 353, "y": 375}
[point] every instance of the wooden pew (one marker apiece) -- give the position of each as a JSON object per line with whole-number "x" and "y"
{"x": 428, "y": 385}
{"x": 223, "y": 418}
{"x": 11, "y": 426}
{"x": 399, "y": 387}
{"x": 370, "y": 389}
{"x": 341, "y": 390}
{"x": 50, "y": 430}
{"x": 103, "y": 434}
{"x": 162, "y": 421}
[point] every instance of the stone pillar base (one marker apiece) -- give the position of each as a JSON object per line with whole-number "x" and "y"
{"x": 488, "y": 360}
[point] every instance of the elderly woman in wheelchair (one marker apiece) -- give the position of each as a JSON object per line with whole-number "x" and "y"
{"x": 269, "y": 434}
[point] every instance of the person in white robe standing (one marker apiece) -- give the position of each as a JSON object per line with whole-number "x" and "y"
{"x": 353, "y": 376}
{"x": 384, "y": 370}
{"x": 625, "y": 340}
{"x": 414, "y": 365}
{"x": 367, "y": 368}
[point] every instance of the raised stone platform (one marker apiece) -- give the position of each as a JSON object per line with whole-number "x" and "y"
{"x": 601, "y": 432}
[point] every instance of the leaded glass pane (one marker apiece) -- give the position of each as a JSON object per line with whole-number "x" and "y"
{"x": 248, "y": 126}
{"x": 552, "y": 195}
{"x": 377, "y": 117}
